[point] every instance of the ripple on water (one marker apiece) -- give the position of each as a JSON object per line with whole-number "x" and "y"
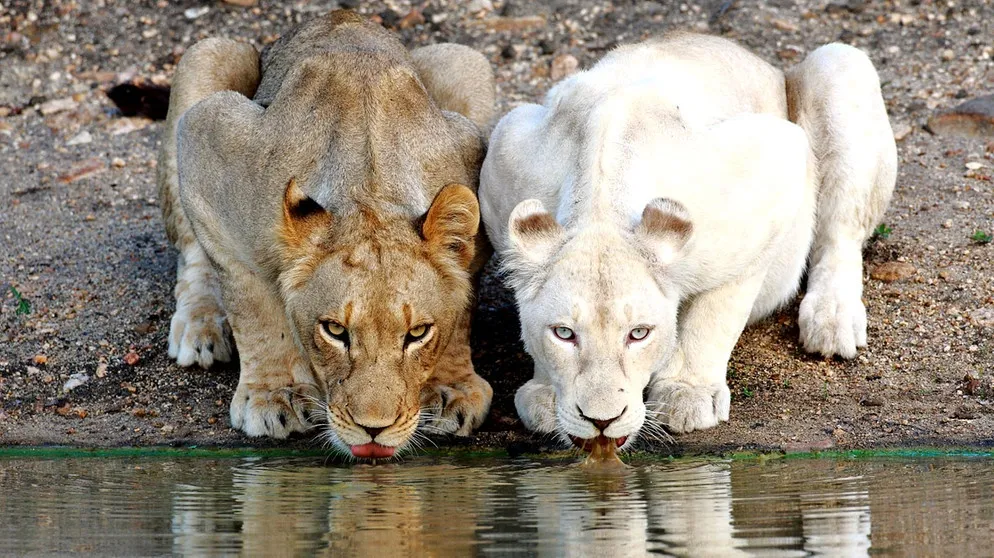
{"x": 459, "y": 507}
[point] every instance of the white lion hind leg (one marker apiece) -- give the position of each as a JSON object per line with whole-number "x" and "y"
{"x": 835, "y": 96}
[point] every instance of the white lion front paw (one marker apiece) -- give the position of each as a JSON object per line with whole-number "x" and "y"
{"x": 264, "y": 410}
{"x": 536, "y": 405}
{"x": 832, "y": 322}
{"x": 199, "y": 333}
{"x": 682, "y": 407}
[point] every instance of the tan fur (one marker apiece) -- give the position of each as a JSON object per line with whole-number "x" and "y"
{"x": 343, "y": 194}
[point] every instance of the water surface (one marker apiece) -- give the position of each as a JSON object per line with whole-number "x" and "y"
{"x": 459, "y": 507}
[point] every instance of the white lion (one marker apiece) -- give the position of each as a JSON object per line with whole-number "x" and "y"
{"x": 667, "y": 197}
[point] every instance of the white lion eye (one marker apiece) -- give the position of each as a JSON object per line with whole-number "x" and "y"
{"x": 638, "y": 334}
{"x": 564, "y": 333}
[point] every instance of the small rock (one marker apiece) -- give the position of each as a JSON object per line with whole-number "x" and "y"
{"x": 101, "y": 370}
{"x": 57, "y": 105}
{"x": 872, "y": 402}
{"x": 947, "y": 224}
{"x": 32, "y": 371}
{"x": 80, "y": 138}
{"x": 965, "y": 413}
{"x": 474, "y": 6}
{"x": 784, "y": 25}
{"x": 974, "y": 165}
{"x": 412, "y": 19}
{"x": 902, "y": 131}
{"x": 83, "y": 169}
{"x": 563, "y": 66}
{"x": 893, "y": 271}
{"x": 131, "y": 358}
{"x": 948, "y": 54}
{"x": 974, "y": 118}
{"x": 961, "y": 204}
{"x": 117, "y": 163}
{"x": 127, "y": 125}
{"x": 75, "y": 381}
{"x": 40, "y": 359}
{"x": 790, "y": 52}
{"x": 168, "y": 429}
{"x": 194, "y": 13}
{"x": 242, "y": 3}
{"x": 970, "y": 385}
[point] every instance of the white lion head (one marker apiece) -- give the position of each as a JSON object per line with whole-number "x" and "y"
{"x": 597, "y": 314}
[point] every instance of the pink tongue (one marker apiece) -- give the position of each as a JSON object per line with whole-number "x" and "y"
{"x": 372, "y": 450}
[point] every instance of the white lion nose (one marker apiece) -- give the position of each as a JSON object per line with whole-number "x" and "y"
{"x": 601, "y": 424}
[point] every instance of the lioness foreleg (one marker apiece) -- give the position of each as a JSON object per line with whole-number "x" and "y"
{"x": 691, "y": 392}
{"x": 276, "y": 389}
{"x": 456, "y": 395}
{"x": 835, "y": 96}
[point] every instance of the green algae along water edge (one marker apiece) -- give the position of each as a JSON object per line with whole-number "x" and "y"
{"x": 148, "y": 502}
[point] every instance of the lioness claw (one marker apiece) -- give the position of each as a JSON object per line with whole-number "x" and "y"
{"x": 261, "y": 410}
{"x": 458, "y": 408}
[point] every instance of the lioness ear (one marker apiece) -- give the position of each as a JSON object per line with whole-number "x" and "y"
{"x": 665, "y": 229}
{"x": 451, "y": 224}
{"x": 302, "y": 216}
{"x": 534, "y": 232}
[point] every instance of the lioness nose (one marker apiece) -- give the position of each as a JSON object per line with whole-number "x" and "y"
{"x": 373, "y": 431}
{"x": 601, "y": 424}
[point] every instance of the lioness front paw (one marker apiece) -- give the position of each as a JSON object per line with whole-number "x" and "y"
{"x": 199, "y": 333}
{"x": 536, "y": 405}
{"x": 458, "y": 407}
{"x": 832, "y": 322}
{"x": 276, "y": 411}
{"x": 682, "y": 407}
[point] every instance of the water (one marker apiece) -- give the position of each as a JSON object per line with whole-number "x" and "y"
{"x": 459, "y": 507}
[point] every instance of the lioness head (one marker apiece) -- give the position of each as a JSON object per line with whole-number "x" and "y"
{"x": 596, "y": 314}
{"x": 373, "y": 300}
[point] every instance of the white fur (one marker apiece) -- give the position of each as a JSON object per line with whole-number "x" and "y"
{"x": 695, "y": 129}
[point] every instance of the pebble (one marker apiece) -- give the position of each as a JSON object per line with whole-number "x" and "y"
{"x": 75, "y": 381}
{"x": 40, "y": 359}
{"x": 902, "y": 131}
{"x": 474, "y": 6}
{"x": 194, "y": 13}
{"x": 131, "y": 358}
{"x": 101, "y": 370}
{"x": 961, "y": 204}
{"x": 83, "y": 169}
{"x": 784, "y": 25}
{"x": 57, "y": 105}
{"x": 80, "y": 138}
{"x": 974, "y": 118}
{"x": 242, "y": 3}
{"x": 117, "y": 163}
{"x": 893, "y": 271}
{"x": 563, "y": 66}
{"x": 974, "y": 165}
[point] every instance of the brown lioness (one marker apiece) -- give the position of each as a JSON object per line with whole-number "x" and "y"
{"x": 332, "y": 218}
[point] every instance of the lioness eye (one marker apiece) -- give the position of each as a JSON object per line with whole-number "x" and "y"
{"x": 417, "y": 333}
{"x": 336, "y": 330}
{"x": 564, "y": 333}
{"x": 638, "y": 334}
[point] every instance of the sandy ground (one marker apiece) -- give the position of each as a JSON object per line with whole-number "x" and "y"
{"x": 82, "y": 242}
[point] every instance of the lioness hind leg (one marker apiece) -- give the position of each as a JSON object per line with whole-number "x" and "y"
{"x": 459, "y": 79}
{"x": 835, "y": 96}
{"x": 198, "y": 331}
{"x": 456, "y": 397}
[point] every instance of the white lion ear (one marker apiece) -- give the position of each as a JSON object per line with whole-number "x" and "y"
{"x": 665, "y": 229}
{"x": 534, "y": 233}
